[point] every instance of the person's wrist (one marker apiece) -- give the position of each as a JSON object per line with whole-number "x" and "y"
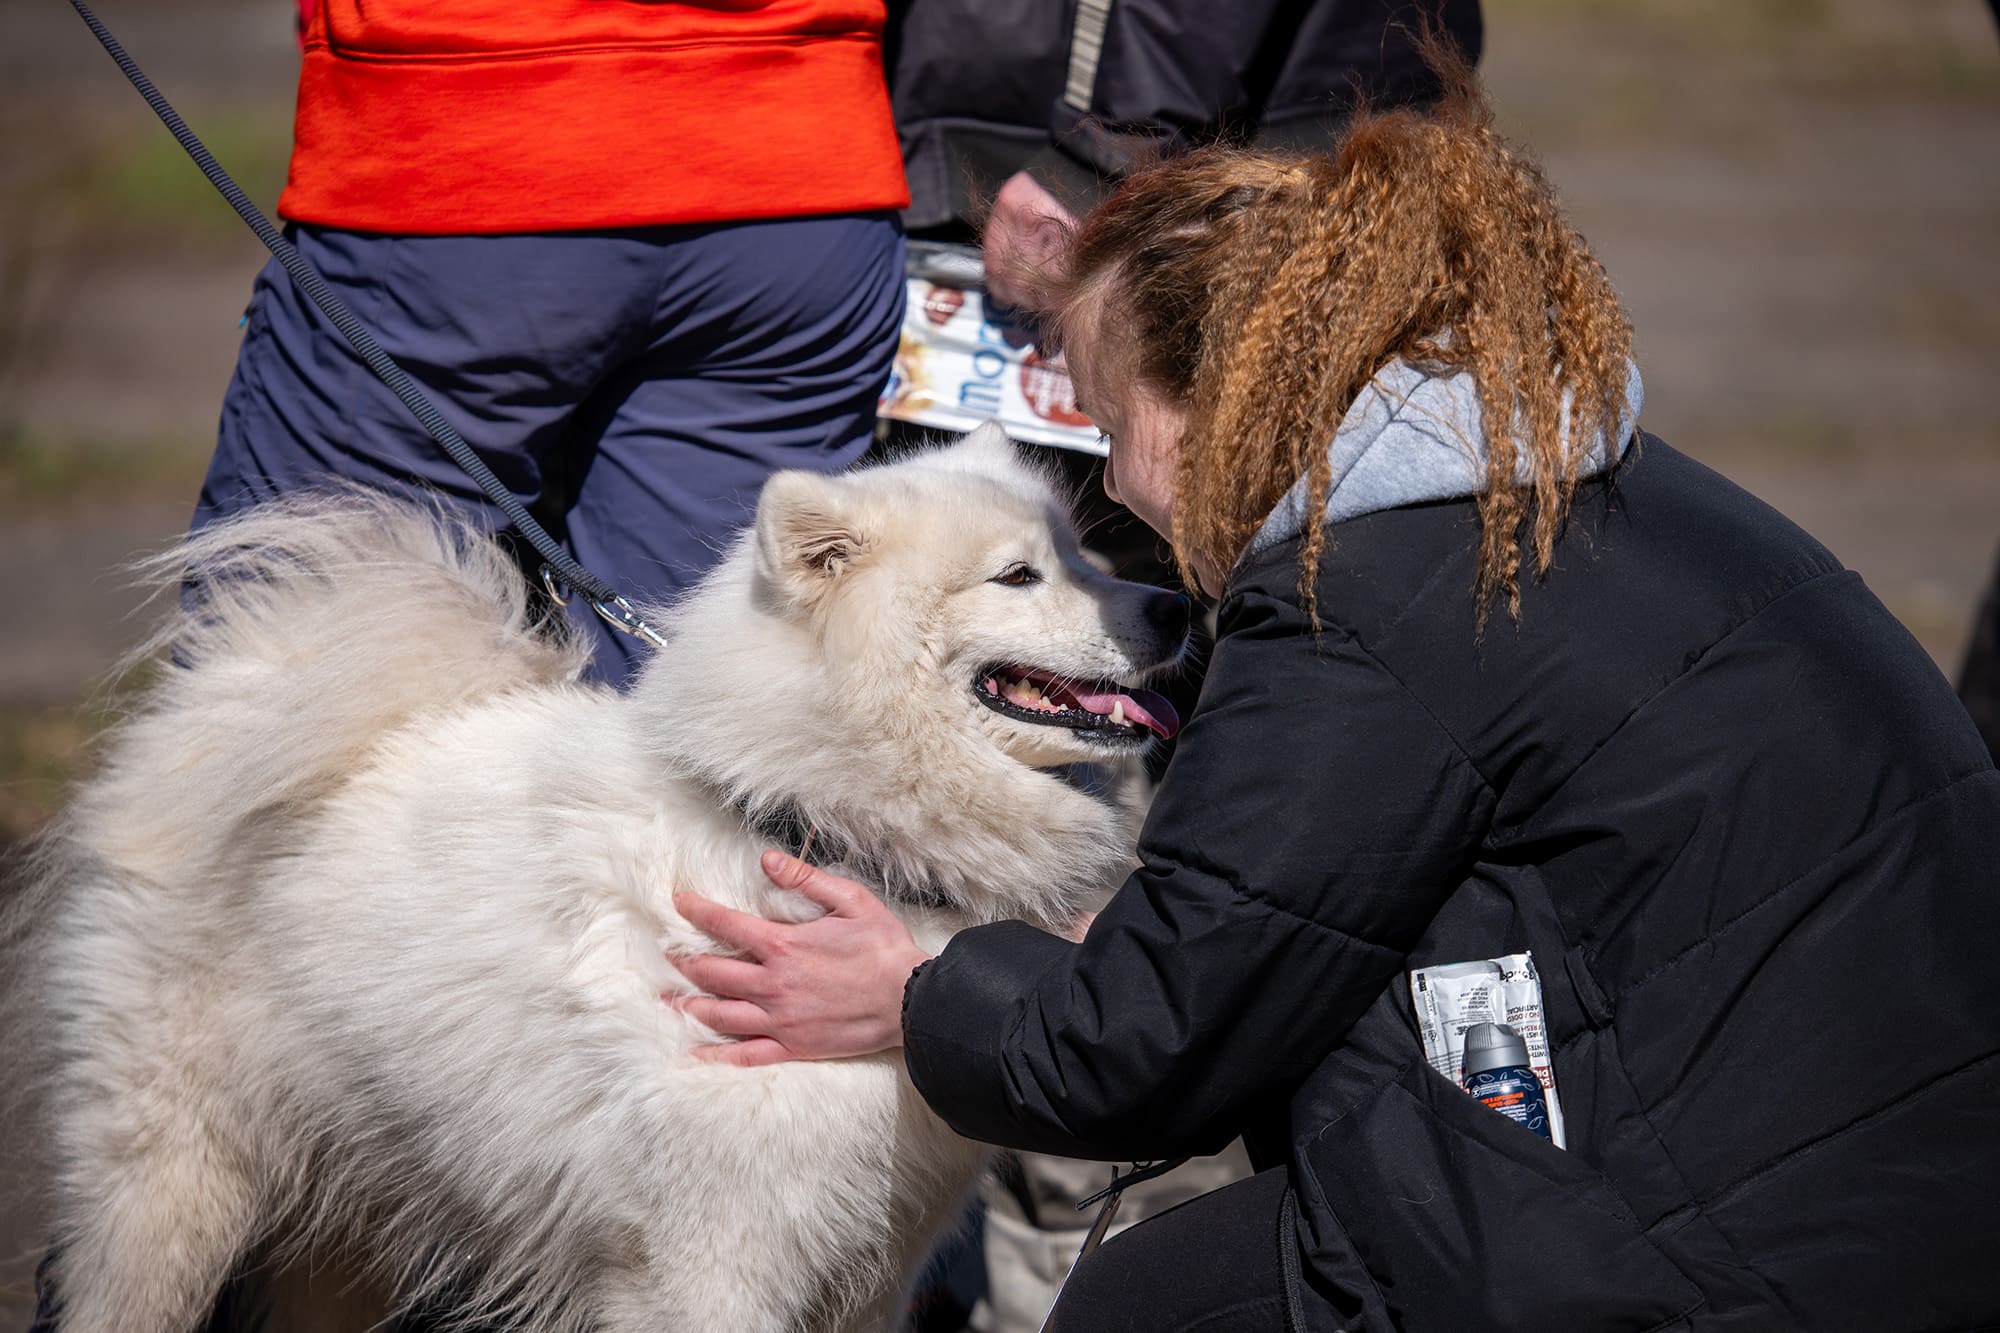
{"x": 909, "y": 963}
{"x": 902, "y": 967}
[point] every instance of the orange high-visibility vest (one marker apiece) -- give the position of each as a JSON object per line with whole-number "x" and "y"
{"x": 461, "y": 116}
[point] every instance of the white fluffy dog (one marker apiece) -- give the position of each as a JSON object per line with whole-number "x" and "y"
{"x": 359, "y": 934}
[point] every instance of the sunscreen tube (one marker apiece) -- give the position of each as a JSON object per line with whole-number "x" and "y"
{"x": 1498, "y": 1075}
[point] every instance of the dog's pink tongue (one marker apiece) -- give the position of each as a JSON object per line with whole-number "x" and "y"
{"x": 1144, "y": 707}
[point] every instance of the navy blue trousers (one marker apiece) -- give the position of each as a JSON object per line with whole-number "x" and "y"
{"x": 632, "y": 388}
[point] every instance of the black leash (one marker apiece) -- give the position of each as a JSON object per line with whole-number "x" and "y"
{"x": 558, "y": 565}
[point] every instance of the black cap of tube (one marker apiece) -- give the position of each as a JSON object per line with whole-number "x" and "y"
{"x": 1493, "y": 1046}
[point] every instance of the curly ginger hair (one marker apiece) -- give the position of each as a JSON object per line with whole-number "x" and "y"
{"x": 1261, "y": 292}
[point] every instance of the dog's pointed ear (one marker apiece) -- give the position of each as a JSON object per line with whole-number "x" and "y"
{"x": 987, "y": 450}
{"x": 809, "y": 533}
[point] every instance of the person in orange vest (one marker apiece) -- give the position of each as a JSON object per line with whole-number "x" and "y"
{"x": 642, "y": 255}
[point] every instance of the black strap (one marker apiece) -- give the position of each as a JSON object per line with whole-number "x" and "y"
{"x": 601, "y": 594}
{"x": 793, "y": 832}
{"x": 1140, "y": 1171}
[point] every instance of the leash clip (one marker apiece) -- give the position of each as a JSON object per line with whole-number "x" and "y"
{"x": 615, "y": 610}
{"x": 618, "y": 612}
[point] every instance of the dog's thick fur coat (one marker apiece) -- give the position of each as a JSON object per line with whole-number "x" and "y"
{"x": 359, "y": 935}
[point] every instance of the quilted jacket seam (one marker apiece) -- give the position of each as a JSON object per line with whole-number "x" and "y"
{"x": 1688, "y": 668}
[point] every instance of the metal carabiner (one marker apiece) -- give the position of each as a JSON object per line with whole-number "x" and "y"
{"x": 549, "y": 586}
{"x": 617, "y": 611}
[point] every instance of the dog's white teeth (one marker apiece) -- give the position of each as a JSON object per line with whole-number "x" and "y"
{"x": 1025, "y": 693}
{"x": 1118, "y": 714}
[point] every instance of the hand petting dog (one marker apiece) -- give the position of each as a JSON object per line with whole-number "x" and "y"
{"x": 810, "y": 990}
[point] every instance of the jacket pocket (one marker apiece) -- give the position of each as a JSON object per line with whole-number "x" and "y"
{"x": 1464, "y": 1219}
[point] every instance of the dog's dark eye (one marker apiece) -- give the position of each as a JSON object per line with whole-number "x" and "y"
{"x": 1017, "y": 576}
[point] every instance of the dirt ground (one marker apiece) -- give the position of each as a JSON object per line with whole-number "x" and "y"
{"x": 1799, "y": 200}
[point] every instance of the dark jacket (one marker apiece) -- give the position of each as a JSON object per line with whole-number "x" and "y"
{"x": 1078, "y": 90}
{"x": 1730, "y": 806}
{"x": 1979, "y": 680}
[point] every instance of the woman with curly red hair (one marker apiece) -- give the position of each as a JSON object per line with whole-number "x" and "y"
{"x": 1495, "y": 673}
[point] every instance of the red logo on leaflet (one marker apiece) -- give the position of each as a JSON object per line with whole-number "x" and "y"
{"x": 941, "y": 303}
{"x": 1049, "y": 392}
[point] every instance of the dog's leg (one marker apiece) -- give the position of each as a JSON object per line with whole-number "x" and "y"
{"x": 738, "y": 1270}
{"x": 147, "y": 1238}
{"x": 163, "y": 1180}
{"x": 695, "y": 1298}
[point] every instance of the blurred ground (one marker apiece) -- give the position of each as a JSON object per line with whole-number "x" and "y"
{"x": 1799, "y": 200}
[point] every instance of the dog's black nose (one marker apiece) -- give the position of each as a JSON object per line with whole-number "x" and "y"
{"x": 1170, "y": 612}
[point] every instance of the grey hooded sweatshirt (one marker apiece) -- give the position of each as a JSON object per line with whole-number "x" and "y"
{"x": 1416, "y": 434}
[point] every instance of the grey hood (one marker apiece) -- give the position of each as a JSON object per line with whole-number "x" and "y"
{"x": 1414, "y": 435}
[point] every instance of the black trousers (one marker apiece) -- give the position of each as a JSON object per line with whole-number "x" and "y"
{"x": 1212, "y": 1264}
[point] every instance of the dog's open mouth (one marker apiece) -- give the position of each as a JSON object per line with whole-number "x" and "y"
{"x": 1114, "y": 711}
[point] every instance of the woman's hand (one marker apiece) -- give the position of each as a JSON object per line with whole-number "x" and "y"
{"x": 808, "y": 990}
{"x": 1024, "y": 233}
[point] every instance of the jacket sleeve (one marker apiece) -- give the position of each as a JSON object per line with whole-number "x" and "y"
{"x": 1313, "y": 820}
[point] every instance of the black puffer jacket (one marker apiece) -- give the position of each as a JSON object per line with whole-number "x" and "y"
{"x": 1735, "y": 813}
{"x": 1075, "y": 90}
